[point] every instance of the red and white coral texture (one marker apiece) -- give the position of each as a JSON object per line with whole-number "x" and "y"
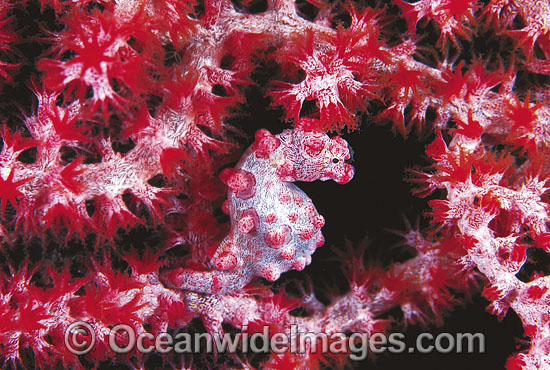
{"x": 141, "y": 107}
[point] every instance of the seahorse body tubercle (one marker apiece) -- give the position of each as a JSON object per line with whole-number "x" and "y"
{"x": 274, "y": 225}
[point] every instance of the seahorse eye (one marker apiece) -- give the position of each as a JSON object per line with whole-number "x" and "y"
{"x": 335, "y": 160}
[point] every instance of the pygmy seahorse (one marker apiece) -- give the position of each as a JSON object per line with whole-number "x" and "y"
{"x": 274, "y": 225}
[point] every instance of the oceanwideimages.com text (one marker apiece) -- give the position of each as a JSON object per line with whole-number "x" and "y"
{"x": 80, "y": 339}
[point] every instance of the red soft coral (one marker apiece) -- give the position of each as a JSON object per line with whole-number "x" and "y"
{"x": 111, "y": 56}
{"x": 337, "y": 79}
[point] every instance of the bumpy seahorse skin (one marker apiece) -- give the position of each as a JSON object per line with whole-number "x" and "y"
{"x": 274, "y": 225}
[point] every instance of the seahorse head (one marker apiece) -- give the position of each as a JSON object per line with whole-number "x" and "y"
{"x": 311, "y": 155}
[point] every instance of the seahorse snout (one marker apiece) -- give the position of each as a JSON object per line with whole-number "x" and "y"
{"x": 343, "y": 173}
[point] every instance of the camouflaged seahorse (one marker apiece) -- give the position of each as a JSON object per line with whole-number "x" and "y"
{"x": 274, "y": 225}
